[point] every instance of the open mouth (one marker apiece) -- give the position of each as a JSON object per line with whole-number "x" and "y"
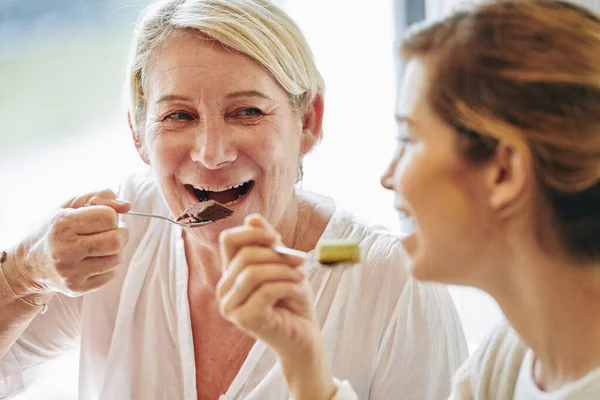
{"x": 408, "y": 225}
{"x": 228, "y": 197}
{"x": 407, "y": 220}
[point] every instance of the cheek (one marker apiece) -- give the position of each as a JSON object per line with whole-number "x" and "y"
{"x": 432, "y": 189}
{"x": 442, "y": 240}
{"x": 408, "y": 173}
{"x": 276, "y": 150}
{"x": 166, "y": 151}
{"x": 451, "y": 232}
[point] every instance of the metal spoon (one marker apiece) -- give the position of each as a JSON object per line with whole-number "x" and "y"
{"x": 182, "y": 224}
{"x": 278, "y": 248}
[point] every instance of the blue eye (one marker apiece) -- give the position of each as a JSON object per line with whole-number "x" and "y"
{"x": 250, "y": 112}
{"x": 404, "y": 140}
{"x": 402, "y": 135}
{"x": 180, "y": 115}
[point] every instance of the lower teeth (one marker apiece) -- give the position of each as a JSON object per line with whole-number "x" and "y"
{"x": 234, "y": 201}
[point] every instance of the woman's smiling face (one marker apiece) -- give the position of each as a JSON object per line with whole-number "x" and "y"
{"x": 219, "y": 126}
{"x": 436, "y": 186}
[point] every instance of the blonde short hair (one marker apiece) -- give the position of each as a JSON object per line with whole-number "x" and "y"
{"x": 256, "y": 28}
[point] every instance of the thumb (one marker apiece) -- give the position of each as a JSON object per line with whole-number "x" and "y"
{"x": 120, "y": 206}
{"x": 258, "y": 221}
{"x": 102, "y": 198}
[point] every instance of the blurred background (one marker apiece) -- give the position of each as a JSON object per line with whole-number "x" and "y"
{"x": 63, "y": 127}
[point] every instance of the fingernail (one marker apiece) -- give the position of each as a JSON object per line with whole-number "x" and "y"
{"x": 121, "y": 201}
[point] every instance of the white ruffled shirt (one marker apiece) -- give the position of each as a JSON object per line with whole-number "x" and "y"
{"x": 386, "y": 334}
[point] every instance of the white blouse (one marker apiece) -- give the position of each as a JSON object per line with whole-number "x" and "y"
{"x": 387, "y": 335}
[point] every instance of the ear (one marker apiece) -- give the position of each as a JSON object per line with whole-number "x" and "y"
{"x": 510, "y": 178}
{"x": 312, "y": 124}
{"x": 138, "y": 140}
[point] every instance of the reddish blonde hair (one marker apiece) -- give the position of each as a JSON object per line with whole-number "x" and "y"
{"x": 528, "y": 70}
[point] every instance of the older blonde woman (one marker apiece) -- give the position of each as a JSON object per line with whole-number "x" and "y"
{"x": 498, "y": 162}
{"x": 225, "y": 103}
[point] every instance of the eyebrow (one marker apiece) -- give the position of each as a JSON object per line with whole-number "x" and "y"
{"x": 248, "y": 93}
{"x": 171, "y": 97}
{"x": 244, "y": 93}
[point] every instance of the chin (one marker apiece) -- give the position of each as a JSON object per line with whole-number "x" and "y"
{"x": 420, "y": 268}
{"x": 438, "y": 270}
{"x": 209, "y": 234}
{"x": 420, "y": 271}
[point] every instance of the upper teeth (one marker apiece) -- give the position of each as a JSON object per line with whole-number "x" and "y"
{"x": 219, "y": 189}
{"x": 236, "y": 186}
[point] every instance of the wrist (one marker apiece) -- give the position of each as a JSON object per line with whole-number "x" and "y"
{"x": 20, "y": 276}
{"x": 309, "y": 376}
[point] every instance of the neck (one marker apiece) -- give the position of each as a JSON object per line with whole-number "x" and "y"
{"x": 305, "y": 222}
{"x": 287, "y": 224}
{"x": 204, "y": 265}
{"x": 554, "y": 305}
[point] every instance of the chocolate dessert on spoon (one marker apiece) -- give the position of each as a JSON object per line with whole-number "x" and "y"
{"x": 198, "y": 214}
{"x": 209, "y": 210}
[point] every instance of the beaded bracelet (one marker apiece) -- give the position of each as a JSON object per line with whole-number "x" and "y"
{"x": 44, "y": 307}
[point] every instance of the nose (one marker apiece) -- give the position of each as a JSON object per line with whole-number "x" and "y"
{"x": 213, "y": 146}
{"x": 387, "y": 179}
